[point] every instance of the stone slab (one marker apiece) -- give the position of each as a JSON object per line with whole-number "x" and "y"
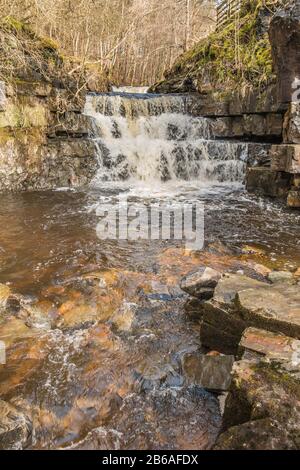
{"x": 273, "y": 346}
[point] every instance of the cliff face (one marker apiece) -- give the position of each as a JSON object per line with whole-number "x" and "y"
{"x": 43, "y": 133}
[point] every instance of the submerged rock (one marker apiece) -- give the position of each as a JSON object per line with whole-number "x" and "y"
{"x": 124, "y": 318}
{"x": 168, "y": 419}
{"x": 15, "y": 428}
{"x": 212, "y": 372}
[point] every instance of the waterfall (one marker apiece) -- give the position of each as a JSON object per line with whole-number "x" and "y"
{"x": 130, "y": 89}
{"x": 153, "y": 137}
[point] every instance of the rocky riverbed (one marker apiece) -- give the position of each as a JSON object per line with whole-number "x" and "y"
{"x": 257, "y": 321}
{"x": 102, "y": 348}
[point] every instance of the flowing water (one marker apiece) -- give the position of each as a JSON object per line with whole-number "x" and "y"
{"x": 94, "y": 350}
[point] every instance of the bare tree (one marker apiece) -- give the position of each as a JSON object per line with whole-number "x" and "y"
{"x": 131, "y": 41}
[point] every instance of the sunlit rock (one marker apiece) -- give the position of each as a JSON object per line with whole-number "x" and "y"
{"x": 4, "y": 295}
{"x": 201, "y": 284}
{"x": 257, "y": 343}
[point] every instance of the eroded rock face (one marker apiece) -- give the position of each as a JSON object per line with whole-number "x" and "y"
{"x": 44, "y": 138}
{"x": 292, "y": 124}
{"x": 268, "y": 182}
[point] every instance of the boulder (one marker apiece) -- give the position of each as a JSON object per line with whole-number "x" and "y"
{"x": 212, "y": 372}
{"x": 274, "y": 308}
{"x": 201, "y": 284}
{"x": 261, "y": 434}
{"x": 280, "y": 276}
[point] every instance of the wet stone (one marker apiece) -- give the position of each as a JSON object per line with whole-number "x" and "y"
{"x": 212, "y": 372}
{"x": 262, "y": 407}
{"x": 262, "y": 434}
{"x": 15, "y": 428}
{"x": 201, "y": 284}
{"x": 240, "y": 302}
{"x": 154, "y": 424}
{"x": 4, "y": 295}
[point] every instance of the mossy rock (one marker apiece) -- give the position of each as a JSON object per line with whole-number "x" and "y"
{"x": 238, "y": 55}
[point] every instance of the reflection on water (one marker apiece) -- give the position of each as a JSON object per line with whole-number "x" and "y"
{"x": 94, "y": 359}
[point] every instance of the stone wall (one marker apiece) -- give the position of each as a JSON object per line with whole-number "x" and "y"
{"x": 43, "y": 138}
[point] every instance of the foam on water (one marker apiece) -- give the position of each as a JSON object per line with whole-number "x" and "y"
{"x": 153, "y": 139}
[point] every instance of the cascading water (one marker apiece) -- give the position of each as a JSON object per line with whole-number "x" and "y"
{"x": 145, "y": 137}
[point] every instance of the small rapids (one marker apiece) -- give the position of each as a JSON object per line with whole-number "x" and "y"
{"x": 95, "y": 352}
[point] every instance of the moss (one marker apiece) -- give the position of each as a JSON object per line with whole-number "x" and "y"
{"x": 234, "y": 56}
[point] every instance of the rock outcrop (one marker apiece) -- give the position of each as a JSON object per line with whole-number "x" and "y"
{"x": 259, "y": 323}
{"x": 43, "y": 134}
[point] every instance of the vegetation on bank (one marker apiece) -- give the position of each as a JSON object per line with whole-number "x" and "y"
{"x": 26, "y": 56}
{"x": 239, "y": 54}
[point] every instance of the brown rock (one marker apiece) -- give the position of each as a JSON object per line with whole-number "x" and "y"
{"x": 263, "y": 402}
{"x": 4, "y": 295}
{"x": 285, "y": 158}
{"x": 240, "y": 302}
{"x": 268, "y": 182}
{"x": 270, "y": 345}
{"x": 211, "y": 371}
{"x": 201, "y": 284}
{"x": 293, "y": 199}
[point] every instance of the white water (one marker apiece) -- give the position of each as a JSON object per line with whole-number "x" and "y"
{"x": 130, "y": 89}
{"x": 152, "y": 138}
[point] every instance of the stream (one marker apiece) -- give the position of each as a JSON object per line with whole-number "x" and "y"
{"x": 95, "y": 359}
